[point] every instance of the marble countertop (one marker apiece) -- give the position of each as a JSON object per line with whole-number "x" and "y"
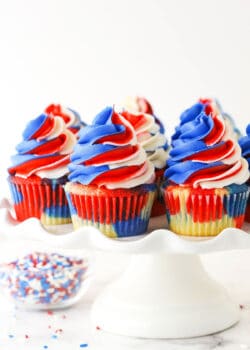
{"x": 71, "y": 329}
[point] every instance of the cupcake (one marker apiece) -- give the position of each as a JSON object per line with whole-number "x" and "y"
{"x": 71, "y": 118}
{"x": 111, "y": 181}
{"x": 39, "y": 171}
{"x": 205, "y": 190}
{"x": 150, "y": 134}
{"x": 245, "y": 147}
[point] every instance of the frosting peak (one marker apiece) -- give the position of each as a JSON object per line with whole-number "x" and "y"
{"x": 70, "y": 117}
{"x": 150, "y": 136}
{"x": 205, "y": 151}
{"x": 108, "y": 154}
{"x": 45, "y": 148}
{"x": 138, "y": 104}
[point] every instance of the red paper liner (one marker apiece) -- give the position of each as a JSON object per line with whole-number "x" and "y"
{"x": 205, "y": 212}
{"x": 40, "y": 198}
{"x": 247, "y": 215}
{"x": 158, "y": 207}
{"x": 117, "y": 213}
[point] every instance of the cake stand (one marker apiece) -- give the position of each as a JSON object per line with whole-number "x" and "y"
{"x": 164, "y": 292}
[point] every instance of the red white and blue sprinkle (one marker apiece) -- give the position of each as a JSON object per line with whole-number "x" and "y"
{"x": 43, "y": 279}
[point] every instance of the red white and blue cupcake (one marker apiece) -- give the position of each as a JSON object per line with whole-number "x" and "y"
{"x": 206, "y": 190}
{"x": 245, "y": 147}
{"x": 39, "y": 171}
{"x": 111, "y": 181}
{"x": 150, "y": 134}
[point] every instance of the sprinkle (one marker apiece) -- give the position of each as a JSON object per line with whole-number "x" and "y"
{"x": 11, "y": 336}
{"x": 26, "y": 336}
{"x": 43, "y": 279}
{"x": 54, "y": 336}
{"x": 84, "y": 345}
{"x": 50, "y": 313}
{"x": 49, "y": 327}
{"x": 58, "y": 330}
{"x": 64, "y": 316}
{"x": 241, "y": 306}
{"x": 98, "y": 328}
{"x": 45, "y": 346}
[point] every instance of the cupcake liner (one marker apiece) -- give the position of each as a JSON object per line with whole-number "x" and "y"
{"x": 158, "y": 207}
{"x": 41, "y": 198}
{"x": 116, "y": 213}
{"x": 247, "y": 215}
{"x": 205, "y": 212}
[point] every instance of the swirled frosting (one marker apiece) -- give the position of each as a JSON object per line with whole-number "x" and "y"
{"x": 245, "y": 145}
{"x": 138, "y": 105}
{"x": 205, "y": 151}
{"x": 108, "y": 154}
{"x": 209, "y": 106}
{"x": 45, "y": 149}
{"x": 217, "y": 108}
{"x": 150, "y": 137}
{"x": 71, "y": 118}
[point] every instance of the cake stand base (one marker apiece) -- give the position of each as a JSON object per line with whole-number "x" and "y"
{"x": 164, "y": 296}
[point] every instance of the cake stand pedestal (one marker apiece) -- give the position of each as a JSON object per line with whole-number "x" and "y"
{"x": 164, "y": 291}
{"x": 164, "y": 296}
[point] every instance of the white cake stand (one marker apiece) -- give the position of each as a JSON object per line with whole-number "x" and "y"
{"x": 163, "y": 293}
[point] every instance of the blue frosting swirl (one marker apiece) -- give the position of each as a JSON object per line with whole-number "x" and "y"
{"x": 199, "y": 150}
{"x": 189, "y": 115}
{"x": 42, "y": 147}
{"x": 192, "y": 112}
{"x": 191, "y": 139}
{"x": 180, "y": 172}
{"x": 86, "y": 148}
{"x": 245, "y": 145}
{"x": 107, "y": 153}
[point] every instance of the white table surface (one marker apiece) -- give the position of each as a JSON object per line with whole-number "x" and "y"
{"x": 36, "y": 330}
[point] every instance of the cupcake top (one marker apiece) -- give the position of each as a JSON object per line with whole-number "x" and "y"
{"x": 71, "y": 118}
{"x": 45, "y": 149}
{"x": 205, "y": 152}
{"x": 245, "y": 145}
{"x": 108, "y": 154}
{"x": 138, "y": 105}
{"x": 216, "y": 106}
{"x": 210, "y": 106}
{"x": 149, "y": 136}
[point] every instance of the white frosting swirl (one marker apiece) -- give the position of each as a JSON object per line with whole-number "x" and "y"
{"x": 149, "y": 137}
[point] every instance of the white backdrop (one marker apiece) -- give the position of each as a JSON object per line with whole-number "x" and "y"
{"x": 87, "y": 54}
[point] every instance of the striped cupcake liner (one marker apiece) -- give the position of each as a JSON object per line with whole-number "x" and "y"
{"x": 198, "y": 212}
{"x": 116, "y": 213}
{"x": 44, "y": 200}
{"x": 247, "y": 215}
{"x": 158, "y": 207}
